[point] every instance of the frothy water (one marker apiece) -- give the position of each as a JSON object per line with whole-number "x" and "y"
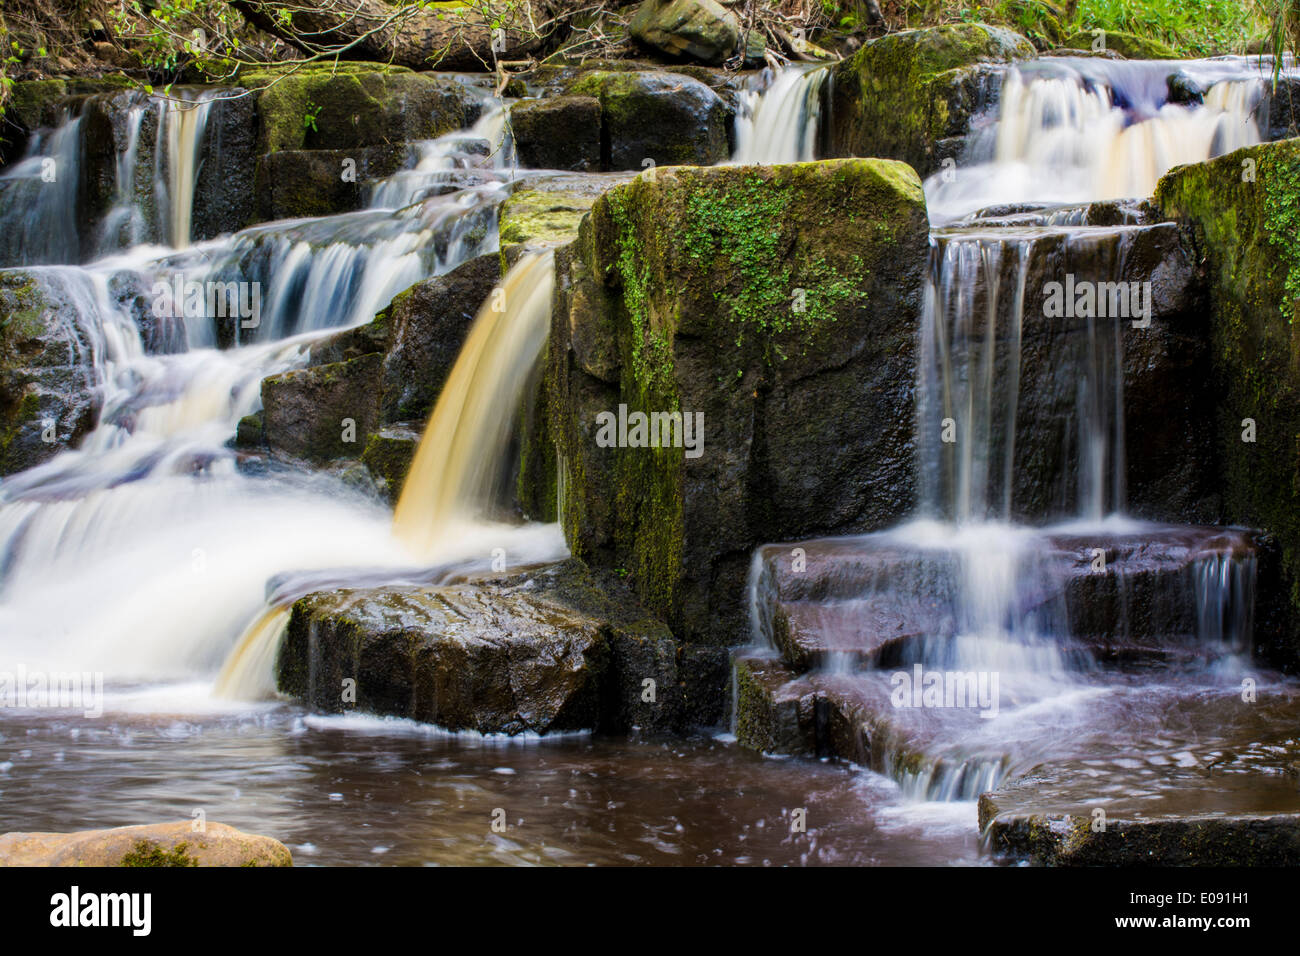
{"x": 1076, "y": 130}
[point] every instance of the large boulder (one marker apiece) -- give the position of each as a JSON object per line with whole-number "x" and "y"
{"x": 155, "y": 844}
{"x": 543, "y": 650}
{"x": 294, "y": 183}
{"x": 781, "y": 304}
{"x": 558, "y": 132}
{"x": 1243, "y": 219}
{"x": 911, "y": 95}
{"x": 653, "y": 118}
{"x": 49, "y": 394}
{"x": 350, "y": 108}
{"x": 690, "y": 29}
{"x": 223, "y": 202}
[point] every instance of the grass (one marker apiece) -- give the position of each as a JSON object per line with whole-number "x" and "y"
{"x": 1192, "y": 27}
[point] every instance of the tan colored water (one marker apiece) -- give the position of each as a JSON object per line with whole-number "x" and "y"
{"x": 467, "y": 433}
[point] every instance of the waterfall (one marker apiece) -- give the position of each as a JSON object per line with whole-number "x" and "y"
{"x": 439, "y": 162}
{"x": 972, "y": 425}
{"x": 180, "y": 130}
{"x": 778, "y": 123}
{"x": 1076, "y": 131}
{"x": 443, "y": 509}
{"x": 456, "y": 467}
{"x": 38, "y": 199}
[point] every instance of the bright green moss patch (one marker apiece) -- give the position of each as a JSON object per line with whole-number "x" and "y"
{"x": 146, "y": 853}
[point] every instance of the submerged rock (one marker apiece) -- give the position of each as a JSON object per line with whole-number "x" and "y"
{"x": 49, "y": 395}
{"x": 1243, "y": 221}
{"x": 545, "y": 650}
{"x": 1166, "y": 816}
{"x": 147, "y": 845}
{"x": 903, "y": 95}
{"x": 779, "y": 303}
{"x": 650, "y": 118}
{"x": 695, "y": 29}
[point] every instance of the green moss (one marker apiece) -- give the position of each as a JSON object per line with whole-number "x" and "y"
{"x": 1242, "y": 210}
{"x": 148, "y": 853}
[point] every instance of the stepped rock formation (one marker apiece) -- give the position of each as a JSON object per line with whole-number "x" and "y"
{"x": 781, "y": 304}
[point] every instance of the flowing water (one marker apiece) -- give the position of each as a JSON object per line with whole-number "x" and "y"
{"x": 157, "y": 555}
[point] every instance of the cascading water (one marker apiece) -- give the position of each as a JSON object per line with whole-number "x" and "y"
{"x": 778, "y": 122}
{"x": 1070, "y": 131}
{"x": 442, "y": 515}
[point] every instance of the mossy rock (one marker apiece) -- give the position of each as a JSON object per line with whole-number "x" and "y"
{"x": 321, "y": 110}
{"x": 178, "y": 844}
{"x": 779, "y": 302}
{"x": 650, "y": 118}
{"x": 1128, "y": 45}
{"x": 324, "y": 412}
{"x": 1245, "y": 223}
{"x": 902, "y": 94}
{"x": 49, "y": 396}
{"x": 540, "y": 218}
{"x": 389, "y": 454}
{"x": 558, "y": 132}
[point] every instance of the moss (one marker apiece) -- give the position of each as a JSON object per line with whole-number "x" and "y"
{"x": 1127, "y": 45}
{"x": 148, "y": 853}
{"x": 541, "y": 217}
{"x": 1245, "y": 227}
{"x": 895, "y": 96}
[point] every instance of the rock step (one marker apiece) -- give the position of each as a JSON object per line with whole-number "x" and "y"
{"x": 547, "y": 649}
{"x": 1158, "y": 592}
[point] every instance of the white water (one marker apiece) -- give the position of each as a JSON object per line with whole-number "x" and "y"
{"x": 778, "y": 122}
{"x": 1077, "y": 130}
{"x": 168, "y": 546}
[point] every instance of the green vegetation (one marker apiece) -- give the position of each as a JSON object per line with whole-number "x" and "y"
{"x": 146, "y": 853}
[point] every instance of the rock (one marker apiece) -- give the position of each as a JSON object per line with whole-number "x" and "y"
{"x": 1168, "y": 459}
{"x": 316, "y": 109}
{"x": 691, "y": 29}
{"x": 1281, "y": 108}
{"x": 322, "y": 412}
{"x": 774, "y": 711}
{"x": 389, "y": 453}
{"x": 877, "y": 600}
{"x": 292, "y": 184}
{"x": 667, "y": 118}
{"x": 1127, "y": 45}
{"x": 426, "y": 326}
{"x": 544, "y": 650}
{"x": 682, "y": 294}
{"x": 49, "y": 394}
{"x": 561, "y": 132}
{"x": 1243, "y": 222}
{"x": 1049, "y": 816}
{"x": 540, "y": 218}
{"x": 153, "y": 844}
{"x": 388, "y": 371}
{"x": 223, "y": 202}
{"x": 903, "y": 95}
